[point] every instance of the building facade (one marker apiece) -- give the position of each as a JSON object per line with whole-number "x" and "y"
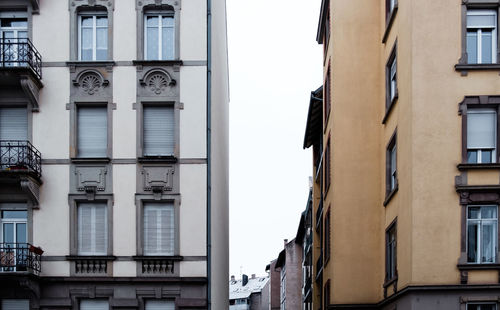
{"x": 405, "y": 139}
{"x": 114, "y": 154}
{"x": 249, "y": 293}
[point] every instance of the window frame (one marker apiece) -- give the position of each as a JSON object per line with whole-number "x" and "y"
{"x": 94, "y": 15}
{"x": 107, "y": 152}
{"x": 391, "y": 177}
{"x": 391, "y": 229}
{"x": 390, "y": 100}
{"x": 144, "y": 235}
{"x": 327, "y": 166}
{"x": 93, "y": 252}
{"x": 328, "y": 95}
{"x": 390, "y": 16}
{"x": 478, "y": 102}
{"x": 479, "y": 151}
{"x": 327, "y": 239}
{"x": 160, "y": 14}
{"x": 479, "y": 31}
{"x": 479, "y": 244}
{"x": 463, "y": 65}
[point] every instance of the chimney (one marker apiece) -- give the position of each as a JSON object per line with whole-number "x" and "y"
{"x": 285, "y": 242}
{"x": 253, "y": 275}
{"x": 244, "y": 279}
{"x": 232, "y": 278}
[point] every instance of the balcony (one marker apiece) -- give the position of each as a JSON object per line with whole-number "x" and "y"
{"x": 306, "y": 294}
{"x": 20, "y": 53}
{"x": 319, "y": 214}
{"x": 20, "y": 169}
{"x": 21, "y": 67}
{"x": 319, "y": 266}
{"x": 20, "y": 257}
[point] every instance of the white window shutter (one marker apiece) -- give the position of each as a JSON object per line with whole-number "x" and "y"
{"x": 481, "y": 129}
{"x": 92, "y": 229}
{"x": 160, "y": 305}
{"x": 159, "y": 229}
{"x": 92, "y": 132}
{"x": 13, "y": 124}
{"x": 15, "y": 304}
{"x": 159, "y": 131}
{"x": 94, "y": 304}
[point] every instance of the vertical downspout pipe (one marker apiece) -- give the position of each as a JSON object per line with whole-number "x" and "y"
{"x": 209, "y": 154}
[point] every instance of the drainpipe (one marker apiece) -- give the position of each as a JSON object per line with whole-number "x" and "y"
{"x": 209, "y": 155}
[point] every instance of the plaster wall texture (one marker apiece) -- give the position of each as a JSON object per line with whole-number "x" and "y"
{"x": 124, "y": 269}
{"x": 125, "y": 32}
{"x": 51, "y": 124}
{"x": 124, "y": 117}
{"x": 193, "y": 122}
{"x": 293, "y": 276}
{"x": 124, "y": 211}
{"x": 193, "y": 30}
{"x": 219, "y": 158}
{"x": 50, "y": 222}
{"x": 192, "y": 217}
{"x": 55, "y": 269}
{"x": 53, "y": 23}
{"x": 274, "y": 287}
{"x": 193, "y": 269}
{"x": 356, "y": 239}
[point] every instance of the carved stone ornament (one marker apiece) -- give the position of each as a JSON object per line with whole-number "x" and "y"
{"x": 158, "y": 179}
{"x": 32, "y": 189}
{"x": 159, "y": 82}
{"x": 90, "y": 82}
{"x": 91, "y": 179}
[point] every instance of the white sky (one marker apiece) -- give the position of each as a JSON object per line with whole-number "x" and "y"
{"x": 275, "y": 63}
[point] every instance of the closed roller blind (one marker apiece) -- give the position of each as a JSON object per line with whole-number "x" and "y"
{"x": 92, "y": 132}
{"x": 482, "y": 19}
{"x": 159, "y": 131}
{"x": 91, "y": 304}
{"x": 160, "y": 305}
{"x": 13, "y": 124}
{"x": 15, "y": 304}
{"x": 92, "y": 229}
{"x": 159, "y": 229}
{"x": 481, "y": 129}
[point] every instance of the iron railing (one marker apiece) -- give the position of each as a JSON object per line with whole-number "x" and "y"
{"x": 20, "y": 53}
{"x": 19, "y": 257}
{"x": 319, "y": 266}
{"x": 20, "y": 156}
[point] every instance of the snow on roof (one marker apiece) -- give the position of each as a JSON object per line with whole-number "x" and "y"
{"x": 237, "y": 291}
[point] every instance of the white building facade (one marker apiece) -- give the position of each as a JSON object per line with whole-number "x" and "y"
{"x": 114, "y": 154}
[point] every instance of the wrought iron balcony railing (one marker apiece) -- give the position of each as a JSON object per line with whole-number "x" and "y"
{"x": 20, "y": 257}
{"x": 20, "y": 53}
{"x": 20, "y": 156}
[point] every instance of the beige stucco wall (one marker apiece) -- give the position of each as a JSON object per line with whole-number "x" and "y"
{"x": 124, "y": 117}
{"x": 125, "y": 31}
{"x": 193, "y": 30}
{"x": 52, "y": 21}
{"x": 124, "y": 211}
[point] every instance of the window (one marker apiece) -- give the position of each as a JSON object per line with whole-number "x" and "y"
{"x": 160, "y": 305}
{"x": 14, "y": 124}
{"x": 159, "y": 36}
{"x": 482, "y": 306}
{"x": 13, "y": 236}
{"x": 92, "y": 229}
{"x": 92, "y": 132}
{"x": 391, "y": 79}
{"x": 327, "y": 166}
{"x": 92, "y": 36}
{"x": 327, "y": 292}
{"x": 481, "y": 135}
{"x": 159, "y": 131}
{"x": 390, "y": 5}
{"x": 94, "y": 304}
{"x": 481, "y": 35}
{"x": 15, "y": 304}
{"x": 14, "y": 36}
{"x": 327, "y": 236}
{"x": 159, "y": 229}
{"x": 391, "y": 169}
{"x": 482, "y": 239}
{"x": 390, "y": 253}
{"x": 327, "y": 100}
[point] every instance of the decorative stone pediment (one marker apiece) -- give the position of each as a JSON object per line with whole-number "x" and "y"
{"x": 90, "y": 83}
{"x": 163, "y": 4}
{"x": 90, "y": 180}
{"x": 158, "y": 82}
{"x": 158, "y": 179}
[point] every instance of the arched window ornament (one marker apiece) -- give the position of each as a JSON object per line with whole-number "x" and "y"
{"x": 90, "y": 82}
{"x": 157, "y": 81}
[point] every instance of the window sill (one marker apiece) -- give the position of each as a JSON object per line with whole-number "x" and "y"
{"x": 389, "y": 109}
{"x": 165, "y": 257}
{"x": 87, "y": 63}
{"x": 390, "y": 194}
{"x": 157, "y": 62}
{"x": 90, "y": 160}
{"x": 100, "y": 257}
{"x": 464, "y": 68}
{"x": 157, "y": 159}
{"x": 390, "y": 282}
{"x": 468, "y": 166}
{"x": 484, "y": 266}
{"x": 390, "y": 21}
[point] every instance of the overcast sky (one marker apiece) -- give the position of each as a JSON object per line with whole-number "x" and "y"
{"x": 275, "y": 63}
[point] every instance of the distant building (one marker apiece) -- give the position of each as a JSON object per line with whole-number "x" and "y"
{"x": 289, "y": 264}
{"x": 274, "y": 286}
{"x": 249, "y": 293}
{"x": 304, "y": 239}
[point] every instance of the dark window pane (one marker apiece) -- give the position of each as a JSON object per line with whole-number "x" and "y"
{"x": 471, "y": 47}
{"x": 486, "y": 156}
{"x": 473, "y": 212}
{"x": 14, "y": 214}
{"x": 472, "y": 157}
{"x": 471, "y": 243}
